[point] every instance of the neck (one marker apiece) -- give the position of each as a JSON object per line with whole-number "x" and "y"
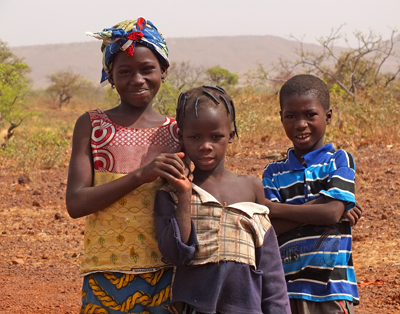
{"x": 130, "y": 116}
{"x": 200, "y": 177}
{"x": 127, "y": 109}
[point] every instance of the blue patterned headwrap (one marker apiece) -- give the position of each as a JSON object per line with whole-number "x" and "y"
{"x": 124, "y": 36}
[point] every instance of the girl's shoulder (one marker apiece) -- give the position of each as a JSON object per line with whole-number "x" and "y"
{"x": 97, "y": 114}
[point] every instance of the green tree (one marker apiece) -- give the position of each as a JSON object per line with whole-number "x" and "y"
{"x": 13, "y": 90}
{"x": 222, "y": 77}
{"x": 64, "y": 85}
{"x": 165, "y": 100}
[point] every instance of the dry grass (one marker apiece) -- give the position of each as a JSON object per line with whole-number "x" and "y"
{"x": 44, "y": 141}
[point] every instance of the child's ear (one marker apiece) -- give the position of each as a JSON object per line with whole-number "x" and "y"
{"x": 328, "y": 116}
{"x": 231, "y": 136}
{"x": 110, "y": 79}
{"x": 280, "y": 114}
{"x": 164, "y": 73}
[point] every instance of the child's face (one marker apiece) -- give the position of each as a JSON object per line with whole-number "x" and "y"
{"x": 304, "y": 120}
{"x": 206, "y": 138}
{"x": 137, "y": 78}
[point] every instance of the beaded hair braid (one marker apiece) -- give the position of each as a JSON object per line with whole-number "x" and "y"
{"x": 191, "y": 99}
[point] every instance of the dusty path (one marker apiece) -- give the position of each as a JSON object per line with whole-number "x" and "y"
{"x": 40, "y": 245}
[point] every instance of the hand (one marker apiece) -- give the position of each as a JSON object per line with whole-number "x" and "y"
{"x": 270, "y": 206}
{"x": 183, "y": 185}
{"x": 354, "y": 214}
{"x": 167, "y": 166}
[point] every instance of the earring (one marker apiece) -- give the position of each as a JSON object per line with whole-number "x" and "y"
{"x": 112, "y": 86}
{"x": 163, "y": 81}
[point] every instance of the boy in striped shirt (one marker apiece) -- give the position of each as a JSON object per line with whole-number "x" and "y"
{"x": 310, "y": 193}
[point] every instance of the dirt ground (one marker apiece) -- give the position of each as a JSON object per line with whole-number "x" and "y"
{"x": 41, "y": 246}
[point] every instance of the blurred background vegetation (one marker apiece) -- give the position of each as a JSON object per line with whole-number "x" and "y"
{"x": 36, "y": 125}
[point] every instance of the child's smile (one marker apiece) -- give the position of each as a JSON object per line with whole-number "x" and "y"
{"x": 305, "y": 120}
{"x": 137, "y": 78}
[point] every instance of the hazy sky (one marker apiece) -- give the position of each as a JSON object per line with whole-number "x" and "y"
{"x": 36, "y": 22}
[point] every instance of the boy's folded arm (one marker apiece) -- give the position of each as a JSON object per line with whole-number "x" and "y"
{"x": 326, "y": 213}
{"x": 283, "y": 225}
{"x": 353, "y": 215}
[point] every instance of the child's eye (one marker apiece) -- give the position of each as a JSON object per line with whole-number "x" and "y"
{"x": 148, "y": 69}
{"x": 290, "y": 116}
{"x": 218, "y": 136}
{"x": 122, "y": 72}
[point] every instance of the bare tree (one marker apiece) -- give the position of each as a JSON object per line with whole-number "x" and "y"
{"x": 184, "y": 75}
{"x": 351, "y": 69}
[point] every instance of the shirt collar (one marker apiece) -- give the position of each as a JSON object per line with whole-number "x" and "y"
{"x": 248, "y": 208}
{"x": 310, "y": 158}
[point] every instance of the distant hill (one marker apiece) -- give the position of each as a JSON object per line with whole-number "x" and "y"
{"x": 238, "y": 54}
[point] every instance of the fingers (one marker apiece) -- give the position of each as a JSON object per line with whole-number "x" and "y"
{"x": 180, "y": 155}
{"x": 358, "y": 210}
{"x": 169, "y": 166}
{"x": 180, "y": 185}
{"x": 351, "y": 217}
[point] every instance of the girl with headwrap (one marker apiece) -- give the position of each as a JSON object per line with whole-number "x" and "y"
{"x": 118, "y": 159}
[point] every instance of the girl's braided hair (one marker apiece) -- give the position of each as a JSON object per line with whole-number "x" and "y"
{"x": 204, "y": 96}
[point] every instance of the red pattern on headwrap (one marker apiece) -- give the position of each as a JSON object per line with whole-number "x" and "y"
{"x": 135, "y": 36}
{"x": 129, "y": 51}
{"x": 140, "y": 22}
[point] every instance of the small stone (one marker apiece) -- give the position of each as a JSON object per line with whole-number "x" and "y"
{"x": 384, "y": 217}
{"x": 74, "y": 255}
{"x": 36, "y": 192}
{"x": 23, "y": 179}
{"x": 4, "y": 232}
{"x": 17, "y": 261}
{"x": 57, "y": 216}
{"x": 36, "y": 204}
{"x": 45, "y": 256}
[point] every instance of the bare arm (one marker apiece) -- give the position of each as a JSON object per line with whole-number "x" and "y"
{"x": 83, "y": 199}
{"x": 258, "y": 190}
{"x": 314, "y": 213}
{"x": 283, "y": 225}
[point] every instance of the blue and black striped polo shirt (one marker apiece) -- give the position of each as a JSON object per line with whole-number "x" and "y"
{"x": 317, "y": 260}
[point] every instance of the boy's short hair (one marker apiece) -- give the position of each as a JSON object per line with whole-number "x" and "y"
{"x": 208, "y": 96}
{"x": 306, "y": 84}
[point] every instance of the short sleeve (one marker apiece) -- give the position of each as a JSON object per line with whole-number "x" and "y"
{"x": 271, "y": 190}
{"x": 340, "y": 183}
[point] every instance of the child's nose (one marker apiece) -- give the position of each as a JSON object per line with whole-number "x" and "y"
{"x": 137, "y": 78}
{"x": 205, "y": 146}
{"x": 301, "y": 124}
